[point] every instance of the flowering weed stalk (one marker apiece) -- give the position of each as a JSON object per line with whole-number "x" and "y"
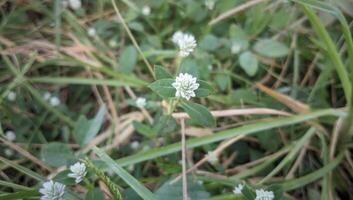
{"x": 113, "y": 188}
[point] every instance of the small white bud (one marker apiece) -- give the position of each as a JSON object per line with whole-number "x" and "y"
{"x": 11, "y": 96}
{"x": 238, "y": 189}
{"x": 135, "y": 145}
{"x": 212, "y": 157}
{"x": 46, "y": 96}
{"x": 54, "y": 101}
{"x": 75, "y": 4}
{"x": 9, "y": 152}
{"x": 10, "y": 136}
{"x": 141, "y": 102}
{"x": 92, "y": 32}
{"x": 146, "y": 10}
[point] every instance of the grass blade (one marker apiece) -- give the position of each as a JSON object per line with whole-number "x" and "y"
{"x": 130, "y": 180}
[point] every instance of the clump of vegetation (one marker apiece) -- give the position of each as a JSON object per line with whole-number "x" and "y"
{"x": 191, "y": 99}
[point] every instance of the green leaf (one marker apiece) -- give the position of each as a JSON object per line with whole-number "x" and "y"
{"x": 56, "y": 154}
{"x": 248, "y": 63}
{"x": 223, "y": 135}
{"x": 248, "y": 192}
{"x": 277, "y": 191}
{"x": 94, "y": 194}
{"x": 161, "y": 73}
{"x": 204, "y": 89}
{"x": 174, "y": 191}
{"x": 130, "y": 180}
{"x": 144, "y": 129}
{"x": 199, "y": 114}
{"x": 223, "y": 81}
{"x": 163, "y": 87}
{"x": 209, "y": 43}
{"x": 128, "y": 59}
{"x": 270, "y": 48}
{"x": 85, "y": 130}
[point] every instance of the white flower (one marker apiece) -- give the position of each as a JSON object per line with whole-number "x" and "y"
{"x": 212, "y": 157}
{"x": 146, "y": 10}
{"x": 238, "y": 189}
{"x": 92, "y": 32}
{"x": 11, "y": 96}
{"x": 52, "y": 191}
{"x": 135, "y": 145}
{"x": 177, "y": 36}
{"x": 186, "y": 44}
{"x": 54, "y": 101}
{"x": 75, "y": 4}
{"x": 140, "y": 102}
{"x": 210, "y": 4}
{"x": 8, "y": 152}
{"x": 185, "y": 85}
{"x": 78, "y": 171}
{"x": 10, "y": 136}
{"x": 264, "y": 195}
{"x": 46, "y": 96}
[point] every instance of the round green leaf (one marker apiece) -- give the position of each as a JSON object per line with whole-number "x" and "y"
{"x": 56, "y": 154}
{"x": 248, "y": 63}
{"x": 270, "y": 48}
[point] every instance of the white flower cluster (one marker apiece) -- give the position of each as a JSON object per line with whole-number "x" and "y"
{"x": 264, "y": 195}
{"x": 261, "y": 194}
{"x": 141, "y": 102}
{"x": 52, "y": 191}
{"x": 53, "y": 100}
{"x": 78, "y": 171}
{"x": 185, "y": 41}
{"x": 185, "y": 85}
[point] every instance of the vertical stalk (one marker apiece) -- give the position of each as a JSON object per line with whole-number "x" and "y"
{"x": 183, "y": 154}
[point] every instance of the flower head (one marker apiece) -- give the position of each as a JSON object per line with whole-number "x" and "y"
{"x": 264, "y": 195}
{"x": 78, "y": 171}
{"x": 11, "y": 96}
{"x": 238, "y": 189}
{"x": 146, "y": 10}
{"x": 75, "y": 4}
{"x": 10, "y": 136}
{"x": 212, "y": 157}
{"x": 186, "y": 43}
{"x": 177, "y": 36}
{"x": 52, "y": 191}
{"x": 185, "y": 85}
{"x": 140, "y": 102}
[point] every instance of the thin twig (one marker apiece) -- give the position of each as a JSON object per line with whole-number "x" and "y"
{"x": 234, "y": 11}
{"x": 183, "y": 154}
{"x": 235, "y": 112}
{"x": 132, "y": 38}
